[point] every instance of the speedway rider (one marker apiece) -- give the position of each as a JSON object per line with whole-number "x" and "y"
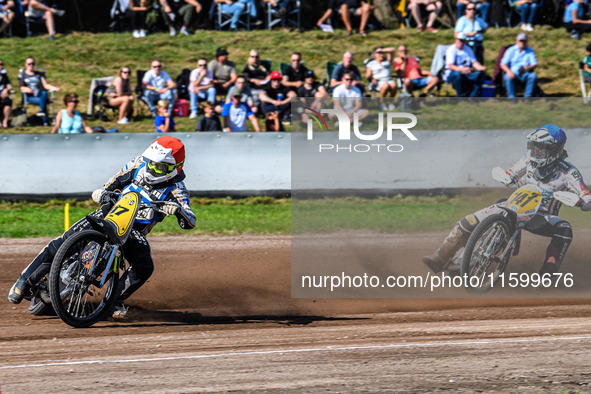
{"x": 545, "y": 166}
{"x": 157, "y": 174}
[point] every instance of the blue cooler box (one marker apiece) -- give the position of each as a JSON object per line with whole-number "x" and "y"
{"x": 487, "y": 89}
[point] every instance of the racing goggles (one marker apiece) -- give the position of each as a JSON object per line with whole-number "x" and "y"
{"x": 162, "y": 168}
{"x": 540, "y": 150}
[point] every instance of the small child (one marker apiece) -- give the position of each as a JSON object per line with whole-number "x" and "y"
{"x": 210, "y": 121}
{"x": 587, "y": 64}
{"x": 164, "y": 121}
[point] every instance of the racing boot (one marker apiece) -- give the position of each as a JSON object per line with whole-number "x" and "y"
{"x": 557, "y": 248}
{"x": 18, "y": 291}
{"x": 119, "y": 311}
{"x": 456, "y": 239}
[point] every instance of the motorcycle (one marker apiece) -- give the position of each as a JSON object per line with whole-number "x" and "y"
{"x": 498, "y": 237}
{"x": 86, "y": 268}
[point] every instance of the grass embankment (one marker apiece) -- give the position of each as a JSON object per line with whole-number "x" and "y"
{"x": 75, "y": 59}
{"x": 263, "y": 216}
{"x": 255, "y": 215}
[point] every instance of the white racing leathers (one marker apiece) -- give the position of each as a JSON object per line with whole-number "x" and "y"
{"x": 561, "y": 176}
{"x": 136, "y": 249}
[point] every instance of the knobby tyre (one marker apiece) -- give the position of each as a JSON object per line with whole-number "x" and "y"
{"x": 77, "y": 296}
{"x": 483, "y": 253}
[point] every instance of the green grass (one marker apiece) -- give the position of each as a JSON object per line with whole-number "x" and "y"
{"x": 264, "y": 216}
{"x": 254, "y": 215}
{"x": 74, "y": 59}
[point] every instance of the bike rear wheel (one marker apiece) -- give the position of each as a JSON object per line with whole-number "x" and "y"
{"x": 76, "y": 293}
{"x": 483, "y": 255}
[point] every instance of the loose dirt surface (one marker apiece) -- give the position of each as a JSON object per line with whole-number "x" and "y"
{"x": 217, "y": 316}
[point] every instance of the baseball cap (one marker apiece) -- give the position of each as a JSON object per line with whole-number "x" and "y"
{"x": 237, "y": 92}
{"x": 275, "y": 75}
{"x": 461, "y": 37}
{"x": 309, "y": 74}
{"x": 522, "y": 37}
{"x": 221, "y": 51}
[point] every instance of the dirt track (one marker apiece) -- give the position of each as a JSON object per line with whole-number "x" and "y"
{"x": 217, "y": 316}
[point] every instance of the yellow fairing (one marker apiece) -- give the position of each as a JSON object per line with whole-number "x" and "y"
{"x": 123, "y": 212}
{"x": 525, "y": 199}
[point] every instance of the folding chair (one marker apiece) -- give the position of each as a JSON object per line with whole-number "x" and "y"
{"x": 99, "y": 102}
{"x": 329, "y": 69}
{"x": 51, "y": 98}
{"x": 283, "y": 67}
{"x": 224, "y": 19}
{"x": 139, "y": 92}
{"x": 438, "y": 65}
{"x": 267, "y": 64}
{"x": 293, "y": 17}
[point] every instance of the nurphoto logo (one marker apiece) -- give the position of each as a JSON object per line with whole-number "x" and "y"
{"x": 392, "y": 122}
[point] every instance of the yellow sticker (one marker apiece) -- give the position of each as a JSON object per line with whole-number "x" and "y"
{"x": 524, "y": 199}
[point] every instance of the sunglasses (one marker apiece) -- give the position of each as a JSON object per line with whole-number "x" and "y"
{"x": 30, "y": 64}
{"x": 74, "y": 101}
{"x": 347, "y": 79}
{"x": 158, "y": 66}
{"x": 125, "y": 72}
{"x": 201, "y": 65}
{"x": 470, "y": 9}
{"x": 254, "y": 56}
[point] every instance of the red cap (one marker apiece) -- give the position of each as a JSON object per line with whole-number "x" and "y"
{"x": 275, "y": 75}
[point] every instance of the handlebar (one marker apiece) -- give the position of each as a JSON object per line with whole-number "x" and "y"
{"x": 155, "y": 205}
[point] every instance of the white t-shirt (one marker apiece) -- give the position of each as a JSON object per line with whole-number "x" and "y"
{"x": 206, "y": 80}
{"x": 380, "y": 71}
{"x": 159, "y": 81}
{"x": 346, "y": 96}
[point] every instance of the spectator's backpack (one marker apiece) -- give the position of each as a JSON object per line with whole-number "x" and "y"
{"x": 182, "y": 84}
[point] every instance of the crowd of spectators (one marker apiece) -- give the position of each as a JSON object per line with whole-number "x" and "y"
{"x": 224, "y": 96}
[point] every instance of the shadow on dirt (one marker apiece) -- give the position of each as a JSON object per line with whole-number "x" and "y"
{"x": 143, "y": 318}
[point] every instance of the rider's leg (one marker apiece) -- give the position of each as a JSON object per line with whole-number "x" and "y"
{"x": 455, "y": 240}
{"x": 41, "y": 265}
{"x": 138, "y": 255}
{"x": 562, "y": 235}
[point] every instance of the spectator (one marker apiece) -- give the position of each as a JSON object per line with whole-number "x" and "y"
{"x": 573, "y": 19}
{"x": 434, "y": 8}
{"x": 34, "y": 87}
{"x": 293, "y": 76}
{"x": 6, "y": 13}
{"x": 466, "y": 74}
{"x": 587, "y": 64}
{"x": 346, "y": 66}
{"x": 137, "y": 12}
{"x": 313, "y": 93}
{"x": 277, "y": 99}
{"x": 5, "y": 100}
{"x": 482, "y": 7}
{"x": 378, "y": 73}
{"x": 39, "y": 11}
{"x": 164, "y": 122}
{"x": 283, "y": 7}
{"x": 224, "y": 71}
{"x": 414, "y": 78}
{"x": 69, "y": 120}
{"x": 209, "y": 121}
{"x": 257, "y": 76}
{"x": 235, "y": 114}
{"x": 473, "y": 27}
{"x": 236, "y": 8}
{"x": 347, "y": 98}
{"x": 528, "y": 10}
{"x": 241, "y": 87}
{"x": 120, "y": 94}
{"x": 519, "y": 63}
{"x": 158, "y": 85}
{"x": 177, "y": 10}
{"x": 201, "y": 86}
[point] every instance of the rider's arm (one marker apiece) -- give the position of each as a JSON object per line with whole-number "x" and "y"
{"x": 577, "y": 185}
{"x": 518, "y": 170}
{"x": 125, "y": 176}
{"x": 184, "y": 215}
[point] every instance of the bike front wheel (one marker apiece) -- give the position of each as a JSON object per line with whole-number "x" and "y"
{"x": 483, "y": 258}
{"x": 81, "y": 287}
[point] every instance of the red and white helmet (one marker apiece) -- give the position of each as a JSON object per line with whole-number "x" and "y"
{"x": 164, "y": 159}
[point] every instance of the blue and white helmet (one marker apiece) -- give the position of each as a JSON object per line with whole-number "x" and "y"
{"x": 545, "y": 145}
